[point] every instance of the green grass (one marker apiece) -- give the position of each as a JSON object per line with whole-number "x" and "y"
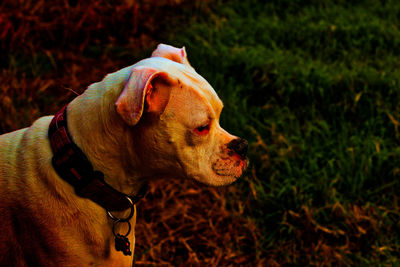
{"x": 315, "y": 87}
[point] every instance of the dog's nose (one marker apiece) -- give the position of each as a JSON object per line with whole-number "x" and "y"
{"x": 239, "y": 146}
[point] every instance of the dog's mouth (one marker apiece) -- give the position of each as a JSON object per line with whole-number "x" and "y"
{"x": 230, "y": 167}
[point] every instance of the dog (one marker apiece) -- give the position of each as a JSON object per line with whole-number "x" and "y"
{"x": 69, "y": 182}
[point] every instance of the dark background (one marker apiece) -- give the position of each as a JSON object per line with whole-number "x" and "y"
{"x": 313, "y": 85}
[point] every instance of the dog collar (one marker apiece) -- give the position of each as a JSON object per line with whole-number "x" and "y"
{"x": 72, "y": 165}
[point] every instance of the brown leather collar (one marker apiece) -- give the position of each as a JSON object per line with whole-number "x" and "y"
{"x": 72, "y": 165}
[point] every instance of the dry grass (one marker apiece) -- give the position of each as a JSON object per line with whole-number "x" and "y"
{"x": 310, "y": 210}
{"x": 50, "y": 52}
{"x": 187, "y": 224}
{"x": 340, "y": 241}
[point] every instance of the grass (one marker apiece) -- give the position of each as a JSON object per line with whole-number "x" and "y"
{"x": 314, "y": 87}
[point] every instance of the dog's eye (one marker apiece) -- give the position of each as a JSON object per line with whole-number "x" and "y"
{"x": 202, "y": 130}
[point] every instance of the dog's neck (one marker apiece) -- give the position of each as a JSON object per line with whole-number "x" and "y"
{"x": 101, "y": 134}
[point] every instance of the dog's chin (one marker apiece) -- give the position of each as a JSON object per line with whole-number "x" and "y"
{"x": 216, "y": 180}
{"x": 222, "y": 180}
{"x": 223, "y": 174}
{"x": 229, "y": 169}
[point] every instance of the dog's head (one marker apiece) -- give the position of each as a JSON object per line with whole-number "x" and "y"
{"x": 174, "y": 115}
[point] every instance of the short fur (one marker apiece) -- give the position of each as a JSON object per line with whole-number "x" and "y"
{"x": 136, "y": 125}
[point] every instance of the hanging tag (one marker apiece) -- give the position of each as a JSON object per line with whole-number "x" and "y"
{"x": 121, "y": 241}
{"x": 122, "y": 244}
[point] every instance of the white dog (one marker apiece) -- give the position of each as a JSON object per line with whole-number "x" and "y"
{"x": 69, "y": 182}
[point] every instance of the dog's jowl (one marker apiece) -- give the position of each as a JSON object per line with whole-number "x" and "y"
{"x": 69, "y": 182}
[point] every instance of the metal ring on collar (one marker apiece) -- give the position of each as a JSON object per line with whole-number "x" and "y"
{"x": 129, "y": 216}
{"x": 118, "y": 221}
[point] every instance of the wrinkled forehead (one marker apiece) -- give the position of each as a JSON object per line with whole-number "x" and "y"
{"x": 188, "y": 77}
{"x": 202, "y": 88}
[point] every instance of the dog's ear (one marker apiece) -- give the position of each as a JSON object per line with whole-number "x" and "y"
{"x": 172, "y": 53}
{"x": 144, "y": 85}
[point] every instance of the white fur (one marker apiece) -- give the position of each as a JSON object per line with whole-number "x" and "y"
{"x": 43, "y": 222}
